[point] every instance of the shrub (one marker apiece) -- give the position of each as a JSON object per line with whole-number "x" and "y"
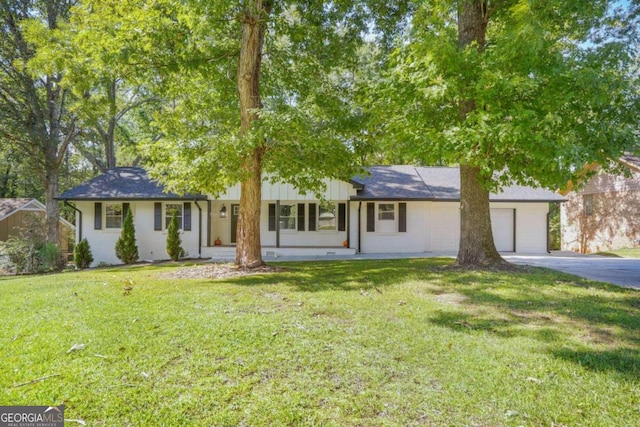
{"x": 174, "y": 248}
{"x": 82, "y": 255}
{"x": 28, "y": 256}
{"x": 126, "y": 249}
{"x": 51, "y": 258}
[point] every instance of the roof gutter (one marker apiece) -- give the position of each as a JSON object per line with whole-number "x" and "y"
{"x": 80, "y": 219}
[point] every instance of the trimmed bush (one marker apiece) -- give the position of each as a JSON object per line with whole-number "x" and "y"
{"x": 82, "y": 255}
{"x": 51, "y": 257}
{"x": 174, "y": 248}
{"x": 126, "y": 249}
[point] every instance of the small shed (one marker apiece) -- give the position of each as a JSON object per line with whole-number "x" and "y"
{"x": 14, "y": 214}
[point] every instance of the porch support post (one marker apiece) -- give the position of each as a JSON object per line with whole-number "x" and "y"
{"x": 277, "y": 223}
{"x": 348, "y": 219}
{"x": 208, "y": 223}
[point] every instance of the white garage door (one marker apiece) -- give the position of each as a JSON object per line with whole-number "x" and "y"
{"x": 503, "y": 229}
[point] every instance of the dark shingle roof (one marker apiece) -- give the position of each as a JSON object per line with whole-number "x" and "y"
{"x": 125, "y": 183}
{"x": 435, "y": 183}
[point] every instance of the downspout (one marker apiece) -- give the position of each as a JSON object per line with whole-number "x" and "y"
{"x": 195, "y": 201}
{"x": 348, "y": 219}
{"x": 359, "y": 224}
{"x": 80, "y": 219}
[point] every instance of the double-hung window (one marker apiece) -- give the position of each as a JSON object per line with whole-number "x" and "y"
{"x": 113, "y": 215}
{"x": 170, "y": 209}
{"x": 288, "y": 215}
{"x": 327, "y": 218}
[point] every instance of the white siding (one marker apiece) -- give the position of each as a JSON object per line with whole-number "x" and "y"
{"x": 502, "y": 227}
{"x": 151, "y": 244}
{"x": 445, "y": 227}
{"x": 435, "y": 227}
{"x": 335, "y": 190}
{"x": 415, "y": 239}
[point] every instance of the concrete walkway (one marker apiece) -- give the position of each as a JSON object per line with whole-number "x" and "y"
{"x": 618, "y": 271}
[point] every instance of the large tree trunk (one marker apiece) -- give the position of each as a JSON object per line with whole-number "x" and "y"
{"x": 248, "y": 249}
{"x": 51, "y": 206}
{"x": 477, "y": 248}
{"x": 110, "y": 137}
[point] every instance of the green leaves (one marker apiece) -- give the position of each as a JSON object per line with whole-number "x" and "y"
{"x": 546, "y": 98}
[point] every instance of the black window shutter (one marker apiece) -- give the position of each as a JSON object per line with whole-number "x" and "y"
{"x": 272, "y": 217}
{"x": 157, "y": 216}
{"x": 300, "y": 216}
{"x": 97, "y": 216}
{"x": 402, "y": 217}
{"x": 371, "y": 217}
{"x": 312, "y": 216}
{"x": 342, "y": 216}
{"x": 187, "y": 216}
{"x": 125, "y": 210}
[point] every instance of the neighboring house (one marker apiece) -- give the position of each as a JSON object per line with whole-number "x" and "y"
{"x": 393, "y": 209}
{"x": 14, "y": 216}
{"x": 604, "y": 214}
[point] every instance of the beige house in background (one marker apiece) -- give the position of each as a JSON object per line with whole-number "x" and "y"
{"x": 14, "y": 216}
{"x": 604, "y": 214}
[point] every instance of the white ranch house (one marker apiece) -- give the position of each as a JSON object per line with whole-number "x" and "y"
{"x": 395, "y": 209}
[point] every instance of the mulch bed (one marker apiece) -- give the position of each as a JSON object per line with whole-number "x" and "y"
{"x": 218, "y": 271}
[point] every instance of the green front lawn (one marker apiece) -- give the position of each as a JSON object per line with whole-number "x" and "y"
{"x": 623, "y": 253}
{"x": 354, "y": 343}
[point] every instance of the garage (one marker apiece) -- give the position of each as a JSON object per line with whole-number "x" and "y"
{"x": 503, "y": 228}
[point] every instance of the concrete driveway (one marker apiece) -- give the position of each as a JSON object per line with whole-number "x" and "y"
{"x": 618, "y": 271}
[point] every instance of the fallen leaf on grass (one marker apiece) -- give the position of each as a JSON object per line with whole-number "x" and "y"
{"x": 534, "y": 380}
{"x": 71, "y": 420}
{"x": 76, "y": 347}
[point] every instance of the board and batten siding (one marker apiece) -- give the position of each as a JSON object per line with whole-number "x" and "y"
{"x": 335, "y": 191}
{"x": 151, "y": 244}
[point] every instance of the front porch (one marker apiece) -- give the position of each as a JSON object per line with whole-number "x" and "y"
{"x": 226, "y": 253}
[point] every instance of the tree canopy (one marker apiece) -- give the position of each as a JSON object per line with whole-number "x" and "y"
{"x": 516, "y": 91}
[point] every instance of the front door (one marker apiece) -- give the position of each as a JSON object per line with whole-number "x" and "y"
{"x": 235, "y": 211}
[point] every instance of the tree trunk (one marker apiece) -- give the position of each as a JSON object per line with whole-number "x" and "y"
{"x": 51, "y": 205}
{"x": 248, "y": 248}
{"x": 477, "y": 248}
{"x": 476, "y": 239}
{"x": 109, "y": 143}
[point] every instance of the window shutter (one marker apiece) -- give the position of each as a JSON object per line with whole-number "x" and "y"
{"x": 371, "y": 217}
{"x": 125, "y": 211}
{"x": 342, "y": 216}
{"x": 300, "y": 216}
{"x": 157, "y": 216}
{"x": 313, "y": 211}
{"x": 402, "y": 217}
{"x": 272, "y": 217}
{"x": 187, "y": 216}
{"x": 97, "y": 216}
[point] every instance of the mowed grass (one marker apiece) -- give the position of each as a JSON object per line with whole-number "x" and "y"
{"x": 354, "y": 343}
{"x": 622, "y": 253}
